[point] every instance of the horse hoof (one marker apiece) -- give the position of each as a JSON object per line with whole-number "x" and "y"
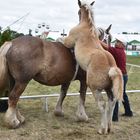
{"x": 82, "y": 118}
{"x": 20, "y": 117}
{"x": 13, "y": 124}
{"x": 109, "y": 127}
{"x": 109, "y": 130}
{"x": 102, "y": 131}
{"x": 59, "y": 113}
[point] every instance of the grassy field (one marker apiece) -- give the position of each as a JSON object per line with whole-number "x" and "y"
{"x": 41, "y": 125}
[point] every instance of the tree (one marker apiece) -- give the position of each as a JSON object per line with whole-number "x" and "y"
{"x": 8, "y": 35}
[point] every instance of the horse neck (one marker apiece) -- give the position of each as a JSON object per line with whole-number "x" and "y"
{"x": 88, "y": 20}
{"x": 87, "y": 28}
{"x": 85, "y": 20}
{"x": 87, "y": 31}
{"x": 86, "y": 36}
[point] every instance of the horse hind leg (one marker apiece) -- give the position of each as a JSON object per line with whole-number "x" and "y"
{"x": 81, "y": 114}
{"x": 103, "y": 109}
{"x": 111, "y": 105}
{"x": 13, "y": 118}
{"x": 58, "y": 109}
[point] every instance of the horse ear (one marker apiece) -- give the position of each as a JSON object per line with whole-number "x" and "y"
{"x": 108, "y": 29}
{"x": 92, "y": 3}
{"x": 79, "y": 3}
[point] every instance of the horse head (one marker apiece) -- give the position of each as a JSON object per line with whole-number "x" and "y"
{"x": 85, "y": 27}
{"x": 85, "y": 11}
{"x": 104, "y": 34}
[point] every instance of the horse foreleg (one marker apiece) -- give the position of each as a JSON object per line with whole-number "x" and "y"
{"x": 58, "y": 109}
{"x": 81, "y": 114}
{"x": 13, "y": 117}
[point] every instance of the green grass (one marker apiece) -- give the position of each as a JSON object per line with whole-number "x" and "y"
{"x": 133, "y": 73}
{"x": 133, "y": 60}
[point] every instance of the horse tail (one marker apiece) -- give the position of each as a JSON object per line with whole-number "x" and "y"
{"x": 116, "y": 76}
{"x": 3, "y": 64}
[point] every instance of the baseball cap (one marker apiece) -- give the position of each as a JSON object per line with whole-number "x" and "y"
{"x": 121, "y": 39}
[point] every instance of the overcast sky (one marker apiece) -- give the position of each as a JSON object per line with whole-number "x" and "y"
{"x": 124, "y": 15}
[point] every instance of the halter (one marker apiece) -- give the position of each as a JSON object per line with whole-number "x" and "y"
{"x": 102, "y": 32}
{"x": 106, "y": 38}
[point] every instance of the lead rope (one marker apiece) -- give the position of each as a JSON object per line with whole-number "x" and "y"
{"x": 76, "y": 71}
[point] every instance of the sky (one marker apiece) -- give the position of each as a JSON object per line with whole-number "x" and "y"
{"x": 124, "y": 15}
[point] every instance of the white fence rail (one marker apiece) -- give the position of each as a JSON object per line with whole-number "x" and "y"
{"x": 138, "y": 66}
{"x": 56, "y": 95}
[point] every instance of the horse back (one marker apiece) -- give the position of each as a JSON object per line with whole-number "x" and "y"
{"x": 47, "y": 62}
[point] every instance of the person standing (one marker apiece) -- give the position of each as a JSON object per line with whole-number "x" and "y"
{"x": 120, "y": 58}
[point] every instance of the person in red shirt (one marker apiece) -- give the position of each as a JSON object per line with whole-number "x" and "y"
{"x": 120, "y": 58}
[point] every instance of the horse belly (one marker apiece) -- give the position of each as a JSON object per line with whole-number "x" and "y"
{"x": 52, "y": 79}
{"x": 82, "y": 58}
{"x": 58, "y": 74}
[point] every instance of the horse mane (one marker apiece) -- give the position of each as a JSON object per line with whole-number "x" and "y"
{"x": 90, "y": 17}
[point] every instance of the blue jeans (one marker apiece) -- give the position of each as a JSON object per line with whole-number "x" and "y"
{"x": 125, "y": 102}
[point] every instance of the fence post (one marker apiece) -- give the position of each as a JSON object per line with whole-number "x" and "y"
{"x": 45, "y": 104}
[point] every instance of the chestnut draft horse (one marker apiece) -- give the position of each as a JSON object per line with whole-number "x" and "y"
{"x": 49, "y": 63}
{"x": 102, "y": 71}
